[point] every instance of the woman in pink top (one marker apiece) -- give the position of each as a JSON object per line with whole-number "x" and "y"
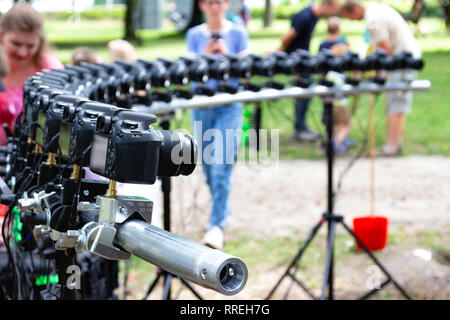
{"x": 23, "y": 39}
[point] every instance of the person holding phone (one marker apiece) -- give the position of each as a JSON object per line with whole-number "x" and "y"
{"x": 218, "y": 36}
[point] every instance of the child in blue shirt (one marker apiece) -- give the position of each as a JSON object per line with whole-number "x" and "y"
{"x": 215, "y": 124}
{"x": 341, "y": 115}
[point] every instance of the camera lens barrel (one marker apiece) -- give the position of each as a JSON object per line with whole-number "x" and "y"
{"x": 178, "y": 154}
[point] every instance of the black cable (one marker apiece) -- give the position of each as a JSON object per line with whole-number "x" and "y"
{"x": 18, "y": 195}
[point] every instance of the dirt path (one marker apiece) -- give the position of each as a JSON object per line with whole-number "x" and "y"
{"x": 274, "y": 201}
{"x": 285, "y": 200}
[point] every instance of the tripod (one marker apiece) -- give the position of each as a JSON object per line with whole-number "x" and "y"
{"x": 332, "y": 220}
{"x": 162, "y": 274}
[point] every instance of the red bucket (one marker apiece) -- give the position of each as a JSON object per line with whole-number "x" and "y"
{"x": 372, "y": 231}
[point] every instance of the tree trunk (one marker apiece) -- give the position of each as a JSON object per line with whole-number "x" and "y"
{"x": 130, "y": 31}
{"x": 196, "y": 18}
{"x": 268, "y": 15}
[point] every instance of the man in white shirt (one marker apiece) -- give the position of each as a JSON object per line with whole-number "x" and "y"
{"x": 388, "y": 31}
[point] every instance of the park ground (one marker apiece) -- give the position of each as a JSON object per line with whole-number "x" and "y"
{"x": 274, "y": 207}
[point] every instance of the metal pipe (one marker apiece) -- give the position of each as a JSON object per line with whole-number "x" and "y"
{"x": 181, "y": 257}
{"x": 222, "y": 99}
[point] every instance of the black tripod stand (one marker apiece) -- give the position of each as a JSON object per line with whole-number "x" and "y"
{"x": 162, "y": 274}
{"x": 332, "y": 220}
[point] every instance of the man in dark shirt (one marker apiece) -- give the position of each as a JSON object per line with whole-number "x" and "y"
{"x": 299, "y": 37}
{"x": 415, "y": 14}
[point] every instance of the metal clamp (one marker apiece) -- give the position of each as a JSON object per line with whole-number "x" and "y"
{"x": 99, "y": 241}
{"x": 39, "y": 201}
{"x": 69, "y": 239}
{"x": 120, "y": 209}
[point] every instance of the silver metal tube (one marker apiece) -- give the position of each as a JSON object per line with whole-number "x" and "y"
{"x": 222, "y": 99}
{"x": 187, "y": 259}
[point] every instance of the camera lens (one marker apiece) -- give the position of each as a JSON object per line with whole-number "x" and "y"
{"x": 178, "y": 154}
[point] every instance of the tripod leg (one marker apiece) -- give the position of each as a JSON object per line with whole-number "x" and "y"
{"x": 297, "y": 258}
{"x": 167, "y": 281}
{"x": 152, "y": 286}
{"x": 372, "y": 256}
{"x": 195, "y": 293}
{"x": 302, "y": 285}
{"x": 328, "y": 275}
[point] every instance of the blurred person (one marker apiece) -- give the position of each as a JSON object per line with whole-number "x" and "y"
{"x": 416, "y": 13}
{"x": 245, "y": 12}
{"x": 299, "y": 37}
{"x": 87, "y": 55}
{"x": 120, "y": 49}
{"x": 342, "y": 117}
{"x": 335, "y": 41}
{"x": 233, "y": 39}
{"x": 23, "y": 39}
{"x": 390, "y": 32}
{"x": 445, "y": 4}
{"x": 3, "y": 72}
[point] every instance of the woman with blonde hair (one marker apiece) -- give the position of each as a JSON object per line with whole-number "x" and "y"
{"x": 23, "y": 38}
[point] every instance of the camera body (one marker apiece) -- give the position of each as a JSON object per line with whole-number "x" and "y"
{"x": 240, "y": 67}
{"x": 134, "y": 72}
{"x": 50, "y": 117}
{"x": 127, "y": 149}
{"x": 349, "y": 61}
{"x": 263, "y": 66}
{"x": 219, "y": 67}
{"x": 321, "y": 63}
{"x": 38, "y": 101}
{"x": 198, "y": 69}
{"x": 77, "y": 129}
{"x": 157, "y": 73}
{"x": 403, "y": 60}
{"x": 124, "y": 149}
{"x": 177, "y": 70}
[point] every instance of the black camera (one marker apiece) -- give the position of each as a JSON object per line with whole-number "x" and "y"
{"x": 178, "y": 71}
{"x": 133, "y": 72}
{"x": 375, "y": 61}
{"x": 240, "y": 67}
{"x": 402, "y": 60}
{"x": 79, "y": 121}
{"x": 198, "y": 69}
{"x": 157, "y": 73}
{"x": 49, "y": 119}
{"x": 36, "y": 99}
{"x": 219, "y": 67}
{"x": 409, "y": 62}
{"x": 321, "y": 63}
{"x": 263, "y": 66}
{"x": 127, "y": 149}
{"x": 349, "y": 61}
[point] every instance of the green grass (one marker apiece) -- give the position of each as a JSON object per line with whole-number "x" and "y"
{"x": 428, "y": 127}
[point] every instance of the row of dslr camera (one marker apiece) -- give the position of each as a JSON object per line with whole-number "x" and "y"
{"x": 126, "y": 83}
{"x": 59, "y": 136}
{"x": 72, "y": 132}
